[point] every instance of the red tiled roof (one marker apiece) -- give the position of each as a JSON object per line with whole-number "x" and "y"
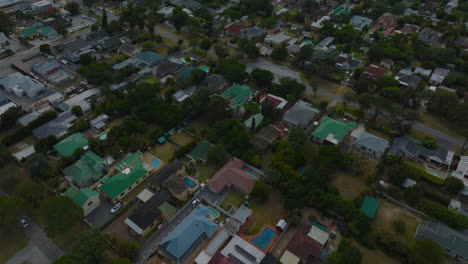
{"x": 233, "y": 175}
{"x": 236, "y": 29}
{"x": 302, "y": 245}
{"x": 275, "y": 101}
{"x": 375, "y": 72}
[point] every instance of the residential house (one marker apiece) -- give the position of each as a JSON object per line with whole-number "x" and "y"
{"x": 453, "y": 242}
{"x": 239, "y": 250}
{"x": 426, "y": 73}
{"x": 213, "y": 247}
{"x": 347, "y": 62}
{"x": 407, "y": 29}
{"x": 149, "y": 215}
{"x": 70, "y": 144}
{"x": 369, "y": 206}
{"x": 214, "y": 82}
{"x": 96, "y": 36}
{"x": 305, "y": 244}
{"x": 413, "y": 149}
{"x": 330, "y": 130}
{"x": 23, "y": 153}
{"x": 175, "y": 167}
{"x": 167, "y": 67}
{"x": 81, "y": 100}
{"x": 41, "y": 6}
{"x": 387, "y": 63}
{"x": 174, "y": 178}
{"x": 129, "y": 49}
{"x": 386, "y": 23}
{"x": 374, "y": 72}
{"x": 438, "y": 76}
{"x": 249, "y": 121}
{"x": 234, "y": 29}
{"x": 237, "y": 95}
{"x": 131, "y": 171}
{"x": 53, "y": 72}
{"x": 199, "y": 155}
{"x": 143, "y": 60}
{"x": 359, "y": 22}
{"x": 406, "y": 78}
{"x": 189, "y": 234}
{"x": 86, "y": 171}
{"x": 7, "y": 106}
{"x": 277, "y": 37}
{"x": 182, "y": 95}
{"x": 252, "y": 32}
{"x": 36, "y": 31}
{"x": 234, "y": 175}
{"x": 189, "y": 4}
{"x": 265, "y": 137}
{"x": 110, "y": 44}
{"x": 21, "y": 85}
{"x": 368, "y": 143}
{"x": 85, "y": 198}
{"x": 56, "y": 127}
{"x": 238, "y": 220}
{"x": 300, "y": 115}
{"x": 99, "y": 123}
{"x": 462, "y": 170}
{"x": 274, "y": 101}
{"x": 289, "y": 258}
{"x": 3, "y": 40}
{"x": 462, "y": 42}
{"x": 430, "y": 37}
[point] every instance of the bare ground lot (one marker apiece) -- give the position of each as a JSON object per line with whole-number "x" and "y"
{"x": 350, "y": 186}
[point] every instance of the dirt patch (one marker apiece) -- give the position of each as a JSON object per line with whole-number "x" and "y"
{"x": 181, "y": 139}
{"x": 370, "y": 256}
{"x": 164, "y": 151}
{"x": 350, "y": 186}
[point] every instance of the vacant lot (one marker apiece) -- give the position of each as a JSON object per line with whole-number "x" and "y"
{"x": 370, "y": 256}
{"x": 268, "y": 213}
{"x": 388, "y": 212}
{"x": 197, "y": 126}
{"x": 350, "y": 186}
{"x": 165, "y": 151}
{"x": 181, "y": 139}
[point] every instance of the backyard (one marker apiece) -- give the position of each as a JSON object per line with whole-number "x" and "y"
{"x": 206, "y": 171}
{"x": 268, "y": 213}
{"x": 234, "y": 199}
{"x": 350, "y": 186}
{"x": 181, "y": 139}
{"x": 197, "y": 126}
{"x": 165, "y": 151}
{"x": 369, "y": 256}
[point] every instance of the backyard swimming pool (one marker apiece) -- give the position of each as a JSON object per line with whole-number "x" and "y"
{"x": 213, "y": 212}
{"x": 264, "y": 239}
{"x": 189, "y": 181}
{"x": 103, "y": 136}
{"x": 156, "y": 163}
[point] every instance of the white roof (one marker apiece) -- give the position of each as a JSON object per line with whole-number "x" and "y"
{"x": 24, "y": 153}
{"x": 5, "y": 107}
{"x": 249, "y": 248}
{"x": 289, "y": 258}
{"x": 203, "y": 258}
{"x": 133, "y": 226}
{"x": 82, "y": 96}
{"x": 318, "y": 235}
{"x": 463, "y": 164}
{"x": 145, "y": 195}
{"x": 282, "y": 224}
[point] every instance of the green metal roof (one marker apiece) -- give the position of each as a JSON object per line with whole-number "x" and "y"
{"x": 237, "y": 94}
{"x": 89, "y": 167}
{"x": 340, "y": 11}
{"x": 124, "y": 179}
{"x": 29, "y": 32}
{"x": 329, "y": 126}
{"x": 167, "y": 209}
{"x": 200, "y": 151}
{"x": 369, "y": 206}
{"x": 68, "y": 146}
{"x": 80, "y": 197}
{"x": 128, "y": 160}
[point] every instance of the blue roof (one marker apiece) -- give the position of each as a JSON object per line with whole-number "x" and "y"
{"x": 179, "y": 243}
{"x": 372, "y": 142}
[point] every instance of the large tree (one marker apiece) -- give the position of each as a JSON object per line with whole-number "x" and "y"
{"x": 179, "y": 18}
{"x": 232, "y": 69}
{"x": 59, "y": 214}
{"x": 280, "y": 53}
{"x": 10, "y": 211}
{"x": 73, "y": 8}
{"x": 427, "y": 251}
{"x": 91, "y": 248}
{"x": 5, "y": 23}
{"x": 262, "y": 78}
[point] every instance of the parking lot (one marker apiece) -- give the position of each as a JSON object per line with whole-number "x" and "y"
{"x": 79, "y": 22}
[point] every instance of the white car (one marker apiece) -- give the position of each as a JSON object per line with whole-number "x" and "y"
{"x": 116, "y": 207}
{"x": 24, "y": 223}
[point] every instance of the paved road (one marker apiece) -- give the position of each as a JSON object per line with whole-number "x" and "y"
{"x": 278, "y": 71}
{"x": 40, "y": 239}
{"x": 30, "y": 254}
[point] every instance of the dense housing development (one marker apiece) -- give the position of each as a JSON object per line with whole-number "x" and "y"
{"x": 233, "y": 132}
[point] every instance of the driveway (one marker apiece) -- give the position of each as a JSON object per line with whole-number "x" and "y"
{"x": 40, "y": 240}
{"x": 101, "y": 215}
{"x": 119, "y": 227}
{"x": 30, "y": 253}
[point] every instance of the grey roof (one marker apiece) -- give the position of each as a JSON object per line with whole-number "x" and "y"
{"x": 430, "y": 37}
{"x": 98, "y": 35}
{"x": 30, "y": 86}
{"x": 190, "y": 4}
{"x": 214, "y": 82}
{"x": 26, "y": 119}
{"x": 359, "y": 22}
{"x": 407, "y": 78}
{"x": 111, "y": 43}
{"x": 410, "y": 147}
{"x": 3, "y": 38}
{"x": 252, "y": 32}
{"x": 166, "y": 68}
{"x": 3, "y": 99}
{"x": 447, "y": 238}
{"x": 99, "y": 121}
{"x": 163, "y": 174}
{"x": 372, "y": 142}
{"x": 325, "y": 42}
{"x": 75, "y": 45}
{"x": 265, "y": 137}
{"x": 242, "y": 214}
{"x": 217, "y": 242}
{"x": 149, "y": 212}
{"x": 408, "y": 183}
{"x": 300, "y": 114}
{"x": 57, "y": 127}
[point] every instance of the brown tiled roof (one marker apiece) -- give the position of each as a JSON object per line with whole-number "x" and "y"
{"x": 218, "y": 258}
{"x": 302, "y": 245}
{"x": 233, "y": 175}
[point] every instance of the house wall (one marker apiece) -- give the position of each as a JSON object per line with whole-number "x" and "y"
{"x": 91, "y": 204}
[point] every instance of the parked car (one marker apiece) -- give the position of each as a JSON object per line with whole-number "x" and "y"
{"x": 24, "y": 223}
{"x": 116, "y": 207}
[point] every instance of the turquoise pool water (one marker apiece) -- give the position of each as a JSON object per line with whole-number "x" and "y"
{"x": 435, "y": 173}
{"x": 204, "y": 68}
{"x": 103, "y": 136}
{"x": 264, "y": 239}
{"x": 189, "y": 181}
{"x": 213, "y": 212}
{"x": 255, "y": 176}
{"x": 156, "y": 163}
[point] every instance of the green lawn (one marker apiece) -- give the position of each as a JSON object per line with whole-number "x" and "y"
{"x": 268, "y": 213}
{"x": 207, "y": 171}
{"x": 165, "y": 152}
{"x": 350, "y": 186}
{"x": 234, "y": 199}
{"x": 181, "y": 139}
{"x": 12, "y": 243}
{"x": 66, "y": 239}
